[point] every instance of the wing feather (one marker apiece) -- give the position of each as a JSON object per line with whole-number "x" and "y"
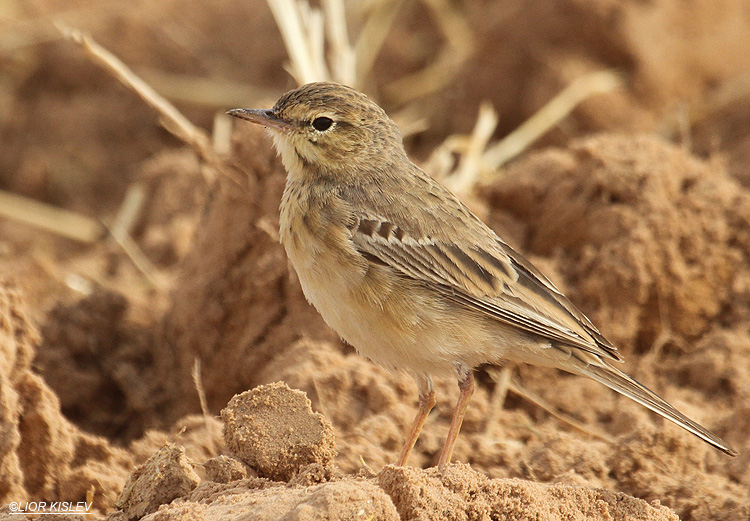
{"x": 491, "y": 279}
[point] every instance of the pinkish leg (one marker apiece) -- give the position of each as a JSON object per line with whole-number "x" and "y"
{"x": 466, "y": 386}
{"x": 426, "y": 403}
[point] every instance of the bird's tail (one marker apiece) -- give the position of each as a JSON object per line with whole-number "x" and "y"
{"x": 622, "y": 383}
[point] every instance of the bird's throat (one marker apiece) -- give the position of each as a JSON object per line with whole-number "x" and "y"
{"x": 296, "y": 166}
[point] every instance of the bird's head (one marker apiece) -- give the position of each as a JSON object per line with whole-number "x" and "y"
{"x": 328, "y": 127}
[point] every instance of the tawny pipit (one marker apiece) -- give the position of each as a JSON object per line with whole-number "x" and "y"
{"x": 406, "y": 274}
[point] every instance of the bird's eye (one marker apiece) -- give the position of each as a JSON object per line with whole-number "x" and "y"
{"x": 322, "y": 123}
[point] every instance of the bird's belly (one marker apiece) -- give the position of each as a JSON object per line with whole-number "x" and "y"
{"x": 394, "y": 321}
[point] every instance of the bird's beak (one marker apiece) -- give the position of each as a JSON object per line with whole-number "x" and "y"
{"x": 264, "y": 117}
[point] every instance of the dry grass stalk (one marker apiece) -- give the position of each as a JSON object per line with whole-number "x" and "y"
{"x": 410, "y": 122}
{"x": 302, "y": 30}
{"x": 477, "y": 159}
{"x": 342, "y": 56}
{"x": 208, "y": 92}
{"x": 726, "y": 94}
{"x": 76, "y": 226}
{"x": 306, "y": 30}
{"x": 377, "y": 24}
{"x": 548, "y": 116}
{"x": 139, "y": 259}
{"x": 222, "y": 133}
{"x": 198, "y": 383}
{"x": 90, "y": 493}
{"x": 120, "y": 233}
{"x": 540, "y": 402}
{"x": 129, "y": 210}
{"x": 497, "y": 401}
{"x": 459, "y": 46}
{"x": 470, "y": 160}
{"x": 25, "y": 23}
{"x": 51, "y": 218}
{"x": 170, "y": 118}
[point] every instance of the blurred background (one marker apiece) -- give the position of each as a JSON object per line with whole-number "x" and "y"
{"x": 72, "y": 136}
{"x": 143, "y": 268}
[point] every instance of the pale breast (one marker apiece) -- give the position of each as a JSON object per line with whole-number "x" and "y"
{"x": 393, "y": 320}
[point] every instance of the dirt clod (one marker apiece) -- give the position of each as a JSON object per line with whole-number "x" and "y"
{"x": 460, "y": 493}
{"x": 273, "y": 430}
{"x": 165, "y": 476}
{"x": 342, "y": 500}
{"x": 223, "y": 469}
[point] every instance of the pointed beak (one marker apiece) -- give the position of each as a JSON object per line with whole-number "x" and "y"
{"x": 264, "y": 117}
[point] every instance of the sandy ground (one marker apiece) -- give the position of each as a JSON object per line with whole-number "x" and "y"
{"x": 637, "y": 206}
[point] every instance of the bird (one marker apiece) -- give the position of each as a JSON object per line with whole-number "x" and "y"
{"x": 404, "y": 272}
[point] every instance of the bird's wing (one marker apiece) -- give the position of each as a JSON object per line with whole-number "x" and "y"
{"x": 490, "y": 278}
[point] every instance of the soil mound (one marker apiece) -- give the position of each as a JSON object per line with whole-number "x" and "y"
{"x": 652, "y": 236}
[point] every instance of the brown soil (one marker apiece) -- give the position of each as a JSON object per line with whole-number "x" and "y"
{"x": 646, "y": 229}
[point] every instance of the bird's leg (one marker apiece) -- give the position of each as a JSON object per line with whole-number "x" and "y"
{"x": 426, "y": 403}
{"x": 466, "y": 386}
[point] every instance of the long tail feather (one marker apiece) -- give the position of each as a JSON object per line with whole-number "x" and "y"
{"x": 622, "y": 383}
